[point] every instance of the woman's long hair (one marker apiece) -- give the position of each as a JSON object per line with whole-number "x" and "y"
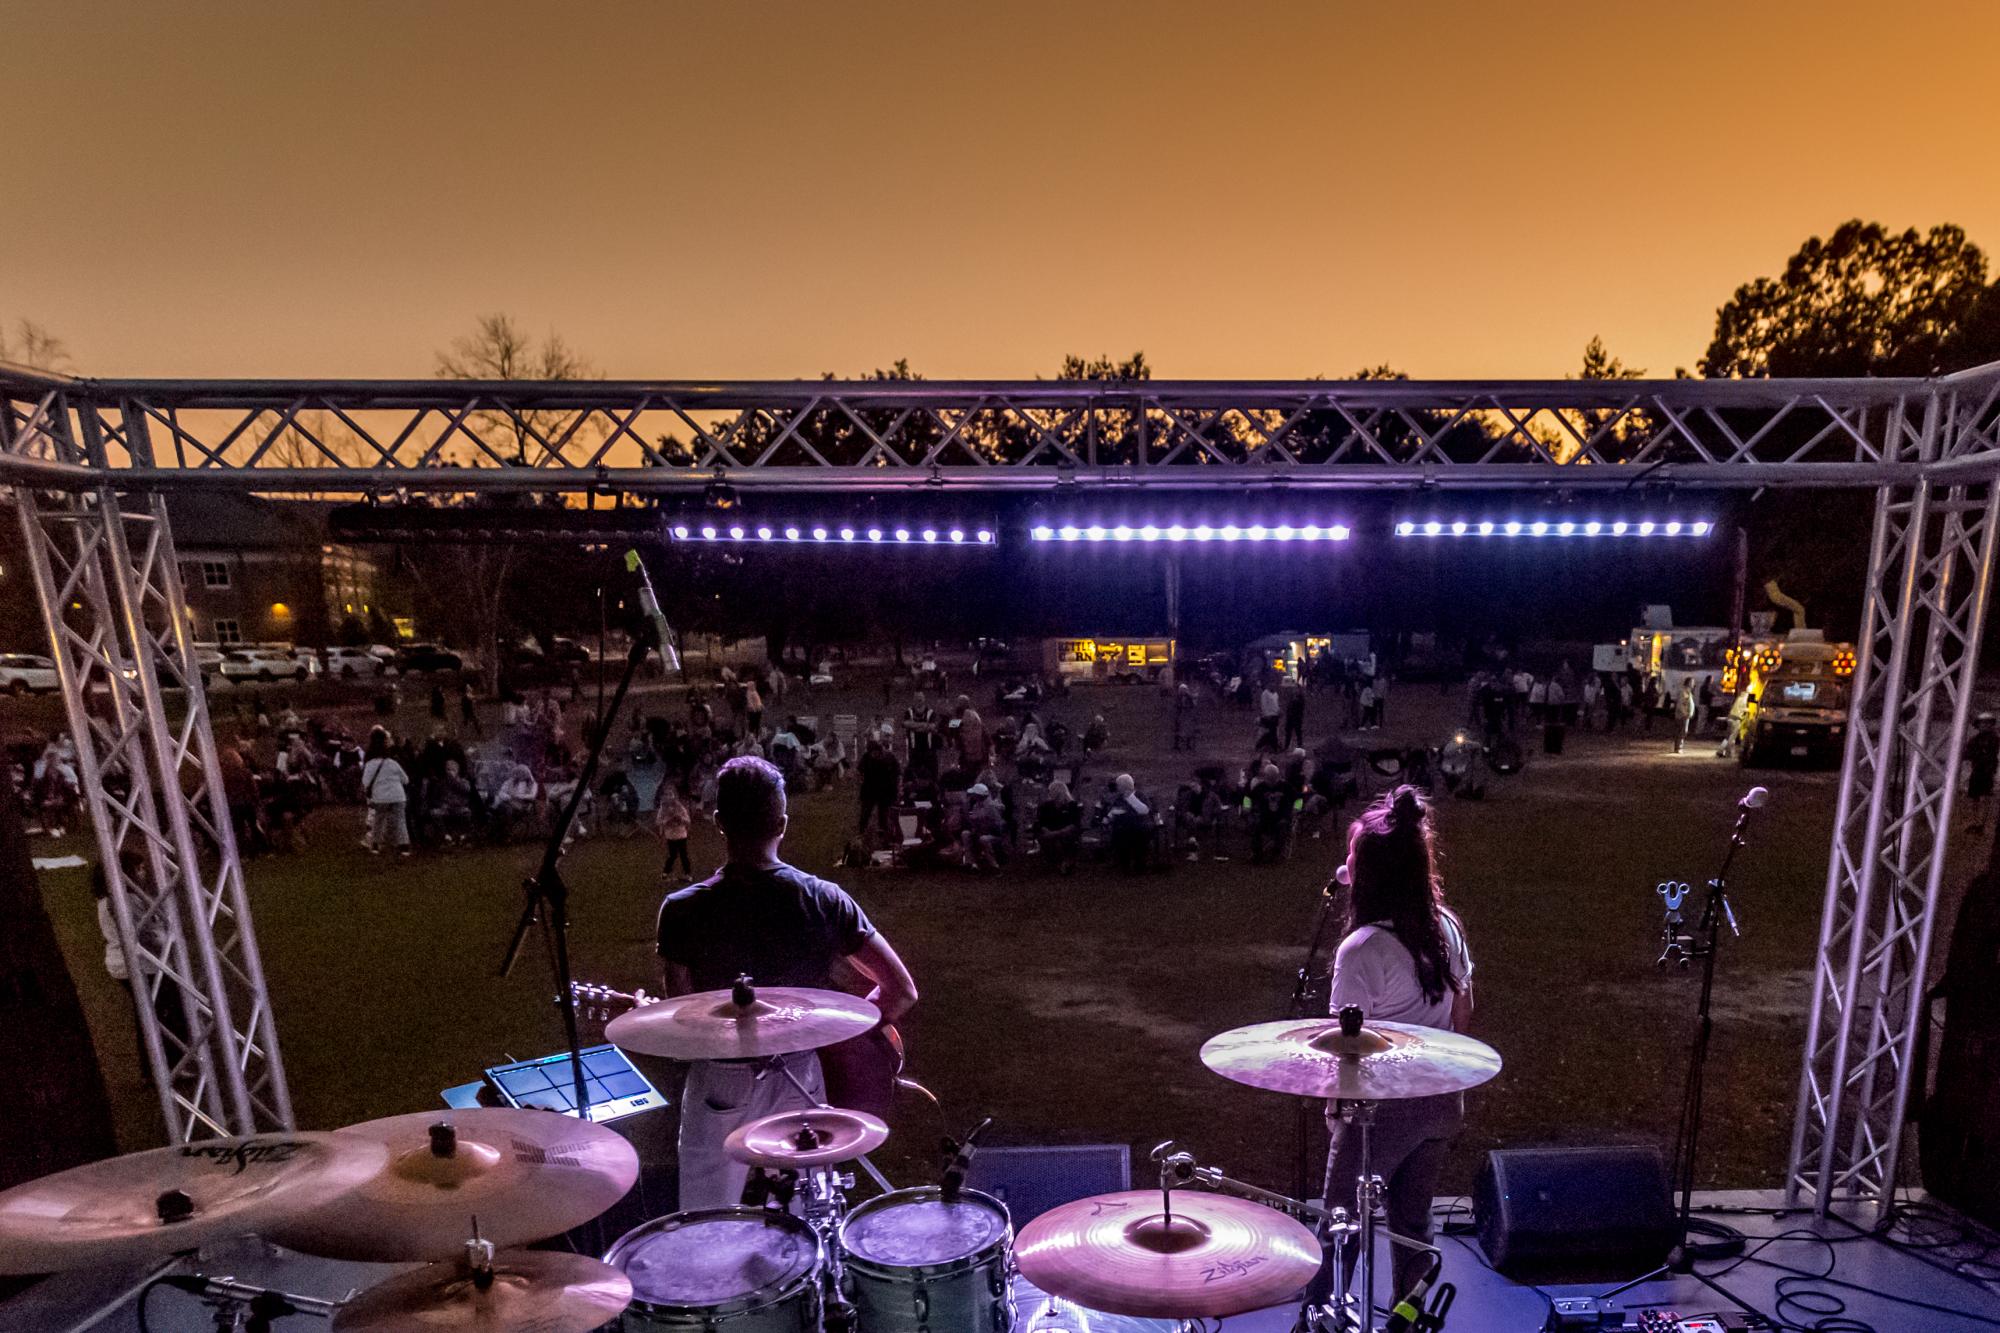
{"x": 1392, "y": 848}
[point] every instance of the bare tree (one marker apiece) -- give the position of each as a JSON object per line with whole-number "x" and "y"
{"x": 34, "y": 346}
{"x": 473, "y": 578}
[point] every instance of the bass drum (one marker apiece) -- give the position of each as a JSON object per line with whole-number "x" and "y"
{"x": 734, "y": 1270}
{"x": 916, "y": 1263}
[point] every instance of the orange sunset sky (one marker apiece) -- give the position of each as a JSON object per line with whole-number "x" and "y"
{"x": 775, "y": 189}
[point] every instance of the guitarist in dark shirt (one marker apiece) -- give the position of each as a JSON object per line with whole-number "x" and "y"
{"x": 759, "y": 917}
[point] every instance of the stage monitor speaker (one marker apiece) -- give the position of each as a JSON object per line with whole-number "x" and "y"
{"x": 1573, "y": 1214}
{"x": 1030, "y": 1181}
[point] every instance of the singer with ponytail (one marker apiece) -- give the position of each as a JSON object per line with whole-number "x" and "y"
{"x": 1403, "y": 958}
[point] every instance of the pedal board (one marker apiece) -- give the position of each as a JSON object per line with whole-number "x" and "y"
{"x": 1586, "y": 1314}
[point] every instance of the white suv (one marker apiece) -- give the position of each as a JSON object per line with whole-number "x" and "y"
{"x": 24, "y": 673}
{"x": 349, "y": 663}
{"x": 248, "y": 663}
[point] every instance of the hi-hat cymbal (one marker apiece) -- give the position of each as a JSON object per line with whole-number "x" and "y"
{"x": 810, "y": 1136}
{"x": 1118, "y": 1253}
{"x": 1383, "y": 1062}
{"x": 710, "y": 1025}
{"x": 147, "y": 1205}
{"x": 533, "y": 1291}
{"x": 526, "y": 1175}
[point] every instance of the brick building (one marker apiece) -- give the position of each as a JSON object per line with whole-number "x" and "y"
{"x": 264, "y": 571}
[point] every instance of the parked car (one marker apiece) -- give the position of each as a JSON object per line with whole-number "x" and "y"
{"x": 349, "y": 663}
{"x": 251, "y": 663}
{"x": 424, "y": 657}
{"x": 207, "y": 658}
{"x": 24, "y": 673}
{"x": 306, "y": 658}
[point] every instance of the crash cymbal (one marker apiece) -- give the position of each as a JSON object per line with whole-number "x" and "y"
{"x": 526, "y": 1175}
{"x": 1119, "y": 1253}
{"x": 151, "y": 1204}
{"x": 533, "y": 1291}
{"x": 710, "y": 1025}
{"x": 1382, "y": 1062}
{"x": 811, "y": 1136}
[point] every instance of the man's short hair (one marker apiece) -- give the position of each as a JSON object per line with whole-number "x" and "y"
{"x": 750, "y": 799}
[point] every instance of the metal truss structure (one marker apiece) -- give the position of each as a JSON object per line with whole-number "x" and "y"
{"x": 1930, "y": 449}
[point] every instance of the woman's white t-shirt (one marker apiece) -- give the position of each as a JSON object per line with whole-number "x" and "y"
{"x": 1373, "y": 969}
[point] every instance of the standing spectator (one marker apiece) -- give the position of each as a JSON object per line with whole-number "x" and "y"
{"x": 1704, "y": 701}
{"x": 973, "y": 743}
{"x": 1555, "y": 708}
{"x": 880, "y": 779}
{"x": 385, "y": 789}
{"x": 1367, "y": 705}
{"x": 753, "y": 706}
{"x": 920, "y": 735}
{"x": 1183, "y": 717}
{"x": 1626, "y": 702}
{"x": 1684, "y": 706}
{"x": 468, "y": 713}
{"x": 1267, "y": 718}
{"x": 437, "y": 702}
{"x": 1381, "y": 697}
{"x": 1295, "y": 716}
{"x": 239, "y": 789}
{"x": 1982, "y": 758}
{"x": 1593, "y": 691}
{"x": 673, "y": 822}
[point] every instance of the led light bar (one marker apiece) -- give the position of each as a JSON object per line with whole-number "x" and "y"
{"x": 781, "y": 532}
{"x": 1553, "y": 527}
{"x": 1189, "y": 532}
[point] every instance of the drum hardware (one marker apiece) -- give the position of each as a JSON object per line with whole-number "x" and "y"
{"x": 548, "y": 1291}
{"x": 240, "y": 1306}
{"x": 1353, "y": 1064}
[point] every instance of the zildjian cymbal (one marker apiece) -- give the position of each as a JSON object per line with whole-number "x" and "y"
{"x": 711, "y": 1025}
{"x": 1381, "y": 1062}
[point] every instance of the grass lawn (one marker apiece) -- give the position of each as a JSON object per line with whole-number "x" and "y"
{"x": 1072, "y": 1010}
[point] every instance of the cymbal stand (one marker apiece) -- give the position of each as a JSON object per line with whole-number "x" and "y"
{"x": 777, "y": 1062}
{"x": 242, "y": 1308}
{"x": 1179, "y": 1169}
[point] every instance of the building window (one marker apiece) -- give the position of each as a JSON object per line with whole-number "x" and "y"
{"x": 228, "y": 631}
{"x": 215, "y": 574}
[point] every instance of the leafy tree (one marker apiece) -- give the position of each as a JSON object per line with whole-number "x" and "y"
{"x": 1865, "y": 301}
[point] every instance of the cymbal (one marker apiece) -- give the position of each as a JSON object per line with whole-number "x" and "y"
{"x": 533, "y": 1291}
{"x": 710, "y": 1025}
{"x": 1117, "y": 1253}
{"x": 1385, "y": 1061}
{"x": 526, "y": 1175}
{"x": 147, "y": 1205}
{"x": 811, "y": 1136}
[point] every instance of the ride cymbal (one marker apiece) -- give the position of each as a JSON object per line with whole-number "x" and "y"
{"x": 710, "y": 1025}
{"x": 526, "y": 1175}
{"x": 147, "y": 1205}
{"x": 810, "y": 1136}
{"x": 1383, "y": 1062}
{"x": 1119, "y": 1253}
{"x": 532, "y": 1291}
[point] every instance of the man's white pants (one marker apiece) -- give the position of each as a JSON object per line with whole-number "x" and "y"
{"x": 719, "y": 1096}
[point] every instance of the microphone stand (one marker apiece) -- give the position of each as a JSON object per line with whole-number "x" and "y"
{"x": 548, "y": 895}
{"x": 1703, "y": 944}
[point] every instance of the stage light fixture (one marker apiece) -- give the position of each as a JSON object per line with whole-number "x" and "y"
{"x": 1185, "y": 532}
{"x": 1514, "y": 527}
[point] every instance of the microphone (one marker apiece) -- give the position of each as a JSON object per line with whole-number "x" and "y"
{"x": 961, "y": 1162}
{"x": 649, "y": 606}
{"x": 1755, "y": 799}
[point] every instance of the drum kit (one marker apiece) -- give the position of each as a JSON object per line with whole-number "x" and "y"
{"x": 461, "y": 1191}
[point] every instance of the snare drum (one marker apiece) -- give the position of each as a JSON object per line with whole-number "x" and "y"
{"x": 744, "y": 1270}
{"x": 916, "y": 1263}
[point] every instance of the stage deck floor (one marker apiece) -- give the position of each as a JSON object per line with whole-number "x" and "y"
{"x": 1486, "y": 1302}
